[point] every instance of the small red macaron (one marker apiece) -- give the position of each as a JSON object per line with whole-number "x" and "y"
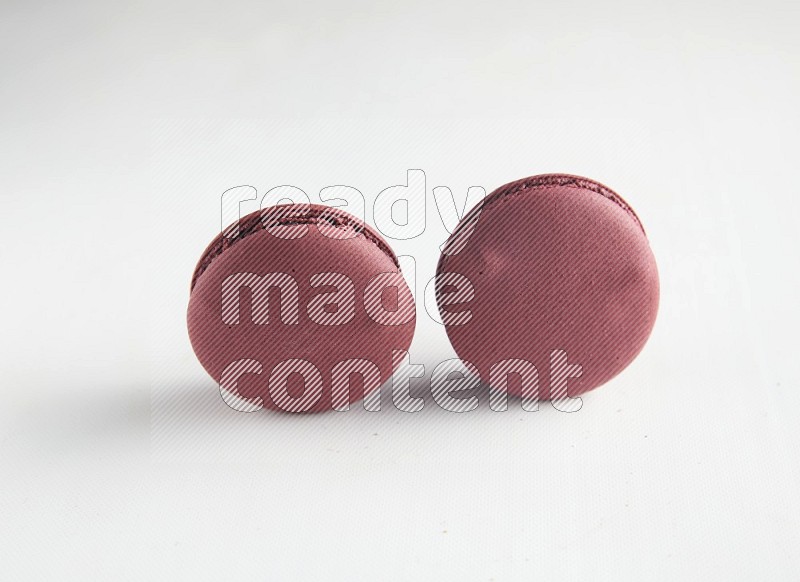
{"x": 553, "y": 272}
{"x": 299, "y": 308}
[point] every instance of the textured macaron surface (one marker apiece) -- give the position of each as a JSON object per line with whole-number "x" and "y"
{"x": 289, "y": 285}
{"x": 557, "y": 263}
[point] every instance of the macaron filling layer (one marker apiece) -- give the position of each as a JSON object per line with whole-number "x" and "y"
{"x": 287, "y": 215}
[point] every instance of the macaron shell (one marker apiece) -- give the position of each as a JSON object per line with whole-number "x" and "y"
{"x": 217, "y": 343}
{"x": 556, "y": 266}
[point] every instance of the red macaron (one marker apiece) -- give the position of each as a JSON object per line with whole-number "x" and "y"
{"x": 549, "y": 281}
{"x": 299, "y": 308}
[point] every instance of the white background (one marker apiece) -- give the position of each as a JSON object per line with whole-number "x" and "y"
{"x": 121, "y": 125}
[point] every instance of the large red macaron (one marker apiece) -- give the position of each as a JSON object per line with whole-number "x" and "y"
{"x": 299, "y": 308}
{"x": 554, "y": 271}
